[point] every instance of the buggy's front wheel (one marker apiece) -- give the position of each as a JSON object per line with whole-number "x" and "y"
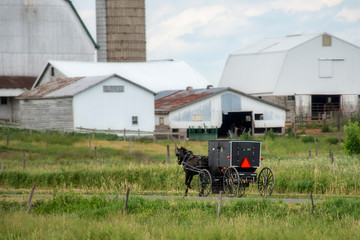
{"x": 266, "y": 182}
{"x": 204, "y": 183}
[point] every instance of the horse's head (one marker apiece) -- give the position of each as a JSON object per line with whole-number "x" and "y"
{"x": 180, "y": 154}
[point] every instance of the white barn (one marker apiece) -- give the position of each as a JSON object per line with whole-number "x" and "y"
{"x": 224, "y": 109}
{"x": 309, "y": 74}
{"x": 101, "y": 102}
{"x": 155, "y": 75}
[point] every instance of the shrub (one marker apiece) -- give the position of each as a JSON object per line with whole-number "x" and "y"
{"x": 333, "y": 140}
{"x": 308, "y": 139}
{"x": 352, "y": 140}
{"x": 325, "y": 129}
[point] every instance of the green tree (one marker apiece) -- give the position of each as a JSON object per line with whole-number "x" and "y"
{"x": 352, "y": 140}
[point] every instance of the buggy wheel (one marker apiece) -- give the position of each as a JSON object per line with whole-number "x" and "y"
{"x": 204, "y": 183}
{"x": 266, "y": 182}
{"x": 231, "y": 182}
{"x": 242, "y": 188}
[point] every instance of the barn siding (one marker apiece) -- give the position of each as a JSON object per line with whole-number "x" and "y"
{"x": 47, "y": 113}
{"x": 274, "y": 117}
{"x": 95, "y": 109}
{"x": 31, "y": 34}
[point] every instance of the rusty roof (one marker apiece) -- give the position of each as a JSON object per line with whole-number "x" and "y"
{"x": 168, "y": 101}
{"x": 49, "y": 88}
{"x": 16, "y": 82}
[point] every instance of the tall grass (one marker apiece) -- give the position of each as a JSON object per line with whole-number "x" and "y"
{"x": 74, "y": 217}
{"x": 66, "y": 163}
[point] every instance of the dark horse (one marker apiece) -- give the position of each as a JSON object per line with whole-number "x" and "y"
{"x": 191, "y": 164}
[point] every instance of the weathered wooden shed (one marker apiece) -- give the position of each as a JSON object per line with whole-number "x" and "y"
{"x": 309, "y": 74}
{"x": 10, "y": 87}
{"x": 101, "y": 102}
{"x": 224, "y": 109}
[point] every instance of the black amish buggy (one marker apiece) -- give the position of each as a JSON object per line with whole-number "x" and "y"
{"x": 230, "y": 167}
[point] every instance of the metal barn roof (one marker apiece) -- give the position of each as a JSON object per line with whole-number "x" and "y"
{"x": 154, "y": 75}
{"x": 289, "y": 65}
{"x": 66, "y": 87}
{"x": 16, "y": 82}
{"x": 168, "y": 101}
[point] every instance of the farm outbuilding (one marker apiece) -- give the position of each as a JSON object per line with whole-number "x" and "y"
{"x": 101, "y": 102}
{"x": 222, "y": 111}
{"x": 154, "y": 75}
{"x": 309, "y": 74}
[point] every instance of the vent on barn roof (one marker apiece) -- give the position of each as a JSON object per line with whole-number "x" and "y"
{"x": 188, "y": 88}
{"x": 209, "y": 86}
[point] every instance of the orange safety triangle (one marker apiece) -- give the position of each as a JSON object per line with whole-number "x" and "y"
{"x": 245, "y": 163}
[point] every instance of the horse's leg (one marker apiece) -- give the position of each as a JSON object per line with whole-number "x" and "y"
{"x": 190, "y": 179}
{"x": 186, "y": 183}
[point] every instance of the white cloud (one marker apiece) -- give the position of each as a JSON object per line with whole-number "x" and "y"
{"x": 207, "y": 22}
{"x": 351, "y": 15}
{"x": 303, "y": 5}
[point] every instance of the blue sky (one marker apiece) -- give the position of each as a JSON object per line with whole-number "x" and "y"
{"x": 204, "y": 32}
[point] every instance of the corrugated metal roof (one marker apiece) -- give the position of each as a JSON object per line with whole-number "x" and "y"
{"x": 154, "y": 75}
{"x": 168, "y": 101}
{"x": 68, "y": 87}
{"x": 16, "y": 82}
{"x": 49, "y": 89}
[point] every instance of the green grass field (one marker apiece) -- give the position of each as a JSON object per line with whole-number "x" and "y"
{"x": 63, "y": 168}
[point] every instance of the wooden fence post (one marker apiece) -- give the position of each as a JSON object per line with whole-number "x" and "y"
{"x": 219, "y": 204}
{"x": 312, "y": 205}
{"x": 8, "y": 136}
{"x": 127, "y": 199}
{"x": 30, "y": 198}
{"x": 24, "y": 161}
{"x": 96, "y": 156}
{"x": 2, "y": 164}
{"x": 168, "y": 153}
{"x": 309, "y": 154}
{"x": 89, "y": 143}
{"x": 331, "y": 155}
{"x": 130, "y": 145}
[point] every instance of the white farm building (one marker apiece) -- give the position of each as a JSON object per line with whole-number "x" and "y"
{"x": 101, "y": 102}
{"x": 154, "y": 75}
{"x": 224, "y": 109}
{"x": 309, "y": 74}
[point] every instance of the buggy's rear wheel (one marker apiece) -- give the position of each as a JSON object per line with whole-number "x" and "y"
{"x": 231, "y": 182}
{"x": 204, "y": 183}
{"x": 266, "y": 182}
{"x": 242, "y": 188}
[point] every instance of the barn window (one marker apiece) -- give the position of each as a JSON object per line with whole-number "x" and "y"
{"x": 197, "y": 117}
{"x": 259, "y": 116}
{"x": 3, "y": 100}
{"x": 325, "y": 68}
{"x": 161, "y": 120}
{"x": 326, "y": 40}
{"x": 113, "y": 88}
{"x": 52, "y": 71}
{"x": 134, "y": 119}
